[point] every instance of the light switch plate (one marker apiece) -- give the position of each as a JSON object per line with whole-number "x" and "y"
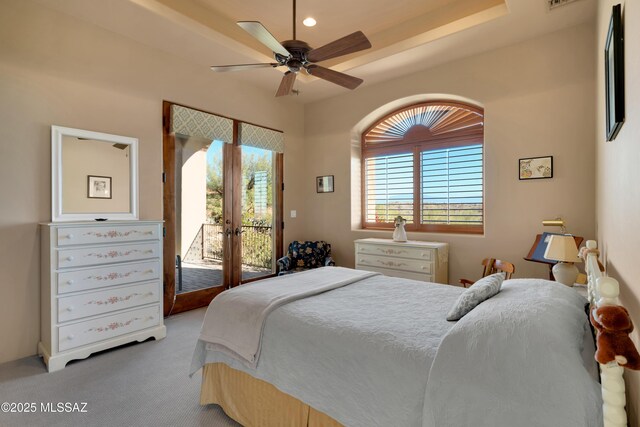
{"x": 294, "y": 214}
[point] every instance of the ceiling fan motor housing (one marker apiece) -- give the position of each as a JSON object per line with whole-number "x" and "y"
{"x": 298, "y": 58}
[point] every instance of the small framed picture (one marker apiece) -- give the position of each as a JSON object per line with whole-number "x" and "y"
{"x": 536, "y": 168}
{"x": 324, "y": 184}
{"x": 99, "y": 187}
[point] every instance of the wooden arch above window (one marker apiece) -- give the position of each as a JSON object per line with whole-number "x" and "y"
{"x": 425, "y": 163}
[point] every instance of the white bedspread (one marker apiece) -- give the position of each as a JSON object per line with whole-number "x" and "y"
{"x": 235, "y": 318}
{"x": 516, "y": 360}
{"x": 360, "y": 353}
{"x": 364, "y": 355}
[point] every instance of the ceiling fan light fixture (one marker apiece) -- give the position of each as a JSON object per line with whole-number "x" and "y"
{"x": 309, "y": 22}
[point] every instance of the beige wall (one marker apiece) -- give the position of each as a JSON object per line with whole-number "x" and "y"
{"x": 55, "y": 69}
{"x": 538, "y": 100}
{"x": 618, "y": 178}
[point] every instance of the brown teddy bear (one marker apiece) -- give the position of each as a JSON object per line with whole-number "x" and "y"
{"x": 613, "y": 326}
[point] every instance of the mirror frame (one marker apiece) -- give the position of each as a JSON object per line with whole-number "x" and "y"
{"x": 57, "y": 214}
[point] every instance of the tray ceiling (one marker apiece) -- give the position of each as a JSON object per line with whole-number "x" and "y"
{"x": 407, "y": 35}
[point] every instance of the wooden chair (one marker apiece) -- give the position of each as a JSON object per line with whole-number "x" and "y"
{"x": 492, "y": 266}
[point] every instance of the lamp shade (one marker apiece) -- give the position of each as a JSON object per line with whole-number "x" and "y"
{"x": 562, "y": 248}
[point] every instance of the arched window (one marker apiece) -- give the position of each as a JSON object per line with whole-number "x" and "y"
{"x": 424, "y": 162}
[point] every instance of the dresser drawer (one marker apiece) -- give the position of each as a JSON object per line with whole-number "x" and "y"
{"x": 415, "y": 265}
{"x": 398, "y": 273}
{"x": 396, "y": 251}
{"x": 79, "y": 306}
{"x": 106, "y": 254}
{"x": 95, "y": 330}
{"x": 109, "y": 234}
{"x": 117, "y": 274}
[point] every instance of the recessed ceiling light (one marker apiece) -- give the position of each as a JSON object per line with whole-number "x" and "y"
{"x": 309, "y": 22}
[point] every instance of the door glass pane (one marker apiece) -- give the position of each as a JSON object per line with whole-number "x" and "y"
{"x": 257, "y": 212}
{"x": 199, "y": 208}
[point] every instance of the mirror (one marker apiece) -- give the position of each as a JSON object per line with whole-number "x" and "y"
{"x": 94, "y": 175}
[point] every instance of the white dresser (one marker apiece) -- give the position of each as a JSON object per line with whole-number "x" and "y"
{"x": 101, "y": 287}
{"x": 425, "y": 261}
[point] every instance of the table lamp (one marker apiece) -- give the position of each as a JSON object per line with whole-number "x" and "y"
{"x": 563, "y": 248}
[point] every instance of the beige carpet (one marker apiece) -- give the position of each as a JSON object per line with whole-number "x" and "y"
{"x": 141, "y": 384}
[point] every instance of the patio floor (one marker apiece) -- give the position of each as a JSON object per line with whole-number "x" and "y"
{"x": 209, "y": 274}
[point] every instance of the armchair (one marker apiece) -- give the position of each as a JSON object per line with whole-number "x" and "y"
{"x": 304, "y": 256}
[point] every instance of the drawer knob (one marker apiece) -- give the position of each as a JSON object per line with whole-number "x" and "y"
{"x": 150, "y": 271}
{"x": 70, "y": 337}
{"x": 424, "y": 268}
{"x": 424, "y": 254}
{"x": 150, "y": 317}
{"x": 70, "y": 308}
{"x": 69, "y": 258}
{"x": 150, "y": 293}
{"x": 69, "y": 282}
{"x": 149, "y": 251}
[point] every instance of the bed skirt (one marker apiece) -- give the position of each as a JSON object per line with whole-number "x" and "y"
{"x": 253, "y": 402}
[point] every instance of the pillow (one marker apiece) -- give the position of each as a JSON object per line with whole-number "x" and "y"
{"x": 480, "y": 291}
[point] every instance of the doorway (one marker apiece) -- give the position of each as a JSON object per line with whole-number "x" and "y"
{"x": 222, "y": 210}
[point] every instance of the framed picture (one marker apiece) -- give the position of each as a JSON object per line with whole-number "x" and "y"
{"x": 614, "y": 74}
{"x": 99, "y": 187}
{"x": 536, "y": 168}
{"x": 324, "y": 184}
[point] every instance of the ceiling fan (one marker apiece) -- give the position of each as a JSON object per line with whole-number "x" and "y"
{"x": 297, "y": 55}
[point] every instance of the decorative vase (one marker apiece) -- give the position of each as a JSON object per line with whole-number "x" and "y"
{"x": 399, "y": 234}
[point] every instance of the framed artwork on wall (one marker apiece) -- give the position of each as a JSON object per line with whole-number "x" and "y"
{"x": 99, "y": 187}
{"x": 536, "y": 168}
{"x": 324, "y": 184}
{"x": 614, "y": 74}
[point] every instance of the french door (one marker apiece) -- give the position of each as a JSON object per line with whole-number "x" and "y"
{"x": 222, "y": 213}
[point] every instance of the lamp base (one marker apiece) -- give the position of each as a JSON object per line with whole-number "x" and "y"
{"x": 565, "y": 273}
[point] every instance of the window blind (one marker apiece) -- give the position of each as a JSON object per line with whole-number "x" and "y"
{"x": 452, "y": 186}
{"x": 389, "y": 188}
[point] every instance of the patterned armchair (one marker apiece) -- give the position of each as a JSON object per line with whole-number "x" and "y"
{"x": 304, "y": 256}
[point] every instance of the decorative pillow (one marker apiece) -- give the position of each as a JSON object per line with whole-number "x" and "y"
{"x": 480, "y": 291}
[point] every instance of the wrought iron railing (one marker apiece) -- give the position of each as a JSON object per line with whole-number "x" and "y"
{"x": 212, "y": 241}
{"x": 257, "y": 245}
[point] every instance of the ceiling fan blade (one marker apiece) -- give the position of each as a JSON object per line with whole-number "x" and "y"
{"x": 239, "y": 67}
{"x": 258, "y": 31}
{"x": 332, "y": 76}
{"x": 348, "y": 44}
{"x": 286, "y": 84}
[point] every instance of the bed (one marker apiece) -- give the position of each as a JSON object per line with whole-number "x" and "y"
{"x": 335, "y": 346}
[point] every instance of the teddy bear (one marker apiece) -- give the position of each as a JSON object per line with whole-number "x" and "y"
{"x": 613, "y": 326}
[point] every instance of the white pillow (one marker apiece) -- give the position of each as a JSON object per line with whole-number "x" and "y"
{"x": 480, "y": 291}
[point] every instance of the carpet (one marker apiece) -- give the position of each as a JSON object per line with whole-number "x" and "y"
{"x": 139, "y": 384}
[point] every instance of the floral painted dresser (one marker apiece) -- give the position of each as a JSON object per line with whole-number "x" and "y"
{"x": 101, "y": 287}
{"x": 417, "y": 260}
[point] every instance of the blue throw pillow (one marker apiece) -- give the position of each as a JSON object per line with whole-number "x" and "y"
{"x": 480, "y": 291}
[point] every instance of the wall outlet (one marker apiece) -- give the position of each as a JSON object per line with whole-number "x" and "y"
{"x": 294, "y": 214}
